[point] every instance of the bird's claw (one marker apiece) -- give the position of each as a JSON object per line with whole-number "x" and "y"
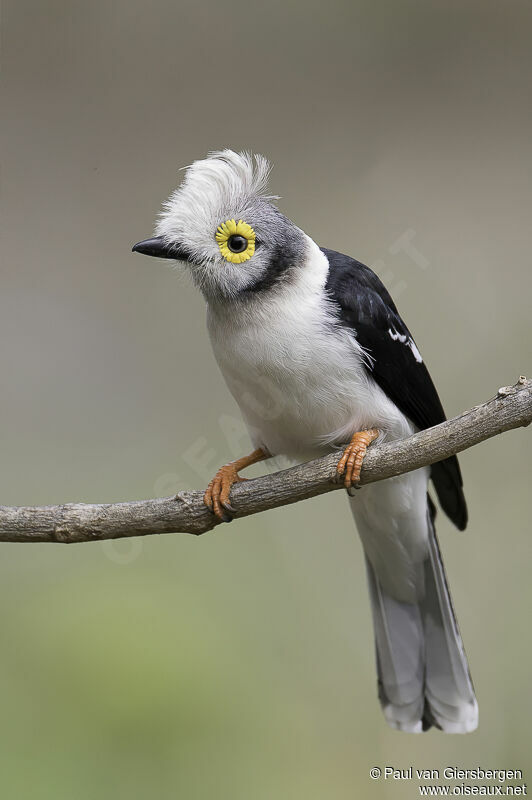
{"x": 350, "y": 463}
{"x": 216, "y": 496}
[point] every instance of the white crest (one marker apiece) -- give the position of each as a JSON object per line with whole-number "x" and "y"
{"x": 222, "y": 186}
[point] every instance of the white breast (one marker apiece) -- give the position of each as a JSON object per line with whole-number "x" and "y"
{"x": 298, "y": 378}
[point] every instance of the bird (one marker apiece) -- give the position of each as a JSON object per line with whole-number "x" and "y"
{"x": 315, "y": 353}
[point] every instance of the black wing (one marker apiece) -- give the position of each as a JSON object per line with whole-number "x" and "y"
{"x": 366, "y": 307}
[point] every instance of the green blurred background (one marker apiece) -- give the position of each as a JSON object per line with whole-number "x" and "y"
{"x": 240, "y": 665}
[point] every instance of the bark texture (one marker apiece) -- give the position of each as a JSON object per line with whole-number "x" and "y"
{"x": 186, "y": 512}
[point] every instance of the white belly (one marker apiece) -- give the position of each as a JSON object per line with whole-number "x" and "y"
{"x": 299, "y": 380}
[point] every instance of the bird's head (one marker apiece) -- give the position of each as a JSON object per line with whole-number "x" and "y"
{"x": 224, "y": 226}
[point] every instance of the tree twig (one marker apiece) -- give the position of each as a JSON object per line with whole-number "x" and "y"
{"x": 186, "y": 512}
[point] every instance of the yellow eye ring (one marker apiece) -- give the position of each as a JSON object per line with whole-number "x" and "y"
{"x": 235, "y": 231}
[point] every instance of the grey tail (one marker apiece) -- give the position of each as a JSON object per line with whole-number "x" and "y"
{"x": 423, "y": 675}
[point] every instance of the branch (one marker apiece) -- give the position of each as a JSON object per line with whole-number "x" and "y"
{"x": 186, "y": 513}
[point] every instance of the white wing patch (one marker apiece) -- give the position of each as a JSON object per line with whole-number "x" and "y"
{"x": 401, "y": 337}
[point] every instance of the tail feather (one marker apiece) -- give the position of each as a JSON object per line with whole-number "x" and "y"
{"x": 447, "y": 479}
{"x": 448, "y": 685}
{"x": 422, "y": 668}
{"x": 400, "y": 657}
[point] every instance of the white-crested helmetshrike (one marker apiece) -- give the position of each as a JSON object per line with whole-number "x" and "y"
{"x": 316, "y": 355}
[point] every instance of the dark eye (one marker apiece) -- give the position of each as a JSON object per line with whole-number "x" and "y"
{"x": 237, "y": 244}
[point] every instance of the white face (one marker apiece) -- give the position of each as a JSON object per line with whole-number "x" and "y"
{"x": 224, "y": 187}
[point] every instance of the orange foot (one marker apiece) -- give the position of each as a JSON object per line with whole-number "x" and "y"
{"x": 351, "y": 461}
{"x": 217, "y": 494}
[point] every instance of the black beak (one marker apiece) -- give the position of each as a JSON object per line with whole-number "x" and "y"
{"x": 160, "y": 249}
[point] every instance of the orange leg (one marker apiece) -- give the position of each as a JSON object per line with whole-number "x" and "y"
{"x": 351, "y": 461}
{"x": 216, "y": 496}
